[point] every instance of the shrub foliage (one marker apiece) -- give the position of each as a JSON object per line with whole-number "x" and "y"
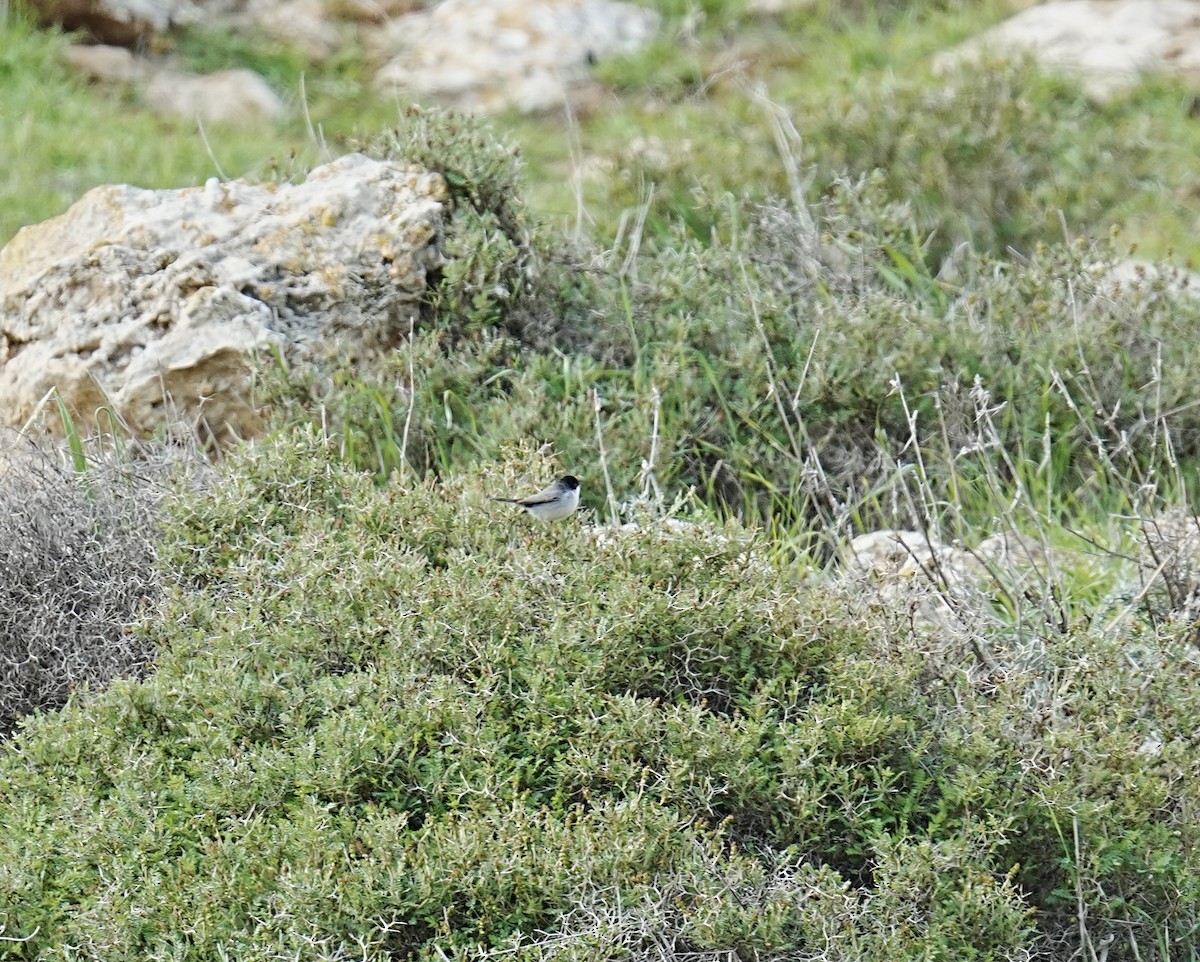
{"x": 787, "y": 365}
{"x": 77, "y": 564}
{"x": 402, "y": 723}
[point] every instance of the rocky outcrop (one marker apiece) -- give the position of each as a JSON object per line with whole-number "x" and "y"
{"x": 479, "y": 55}
{"x": 486, "y": 55}
{"x": 1109, "y": 44}
{"x": 150, "y": 303}
{"x": 105, "y": 63}
{"x": 1167, "y": 549}
{"x": 309, "y": 26}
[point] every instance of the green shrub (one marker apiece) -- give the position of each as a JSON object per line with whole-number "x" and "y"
{"x": 502, "y": 270}
{"x": 406, "y": 721}
{"x": 393, "y": 719}
{"x": 995, "y": 155}
{"x": 786, "y": 366}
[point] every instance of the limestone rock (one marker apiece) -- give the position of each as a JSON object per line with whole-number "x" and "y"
{"x": 488, "y": 55}
{"x": 1168, "y": 556}
{"x": 105, "y": 63}
{"x": 893, "y": 556}
{"x": 370, "y": 11}
{"x": 308, "y": 26}
{"x": 778, "y": 6}
{"x": 1109, "y": 44}
{"x": 1132, "y": 275}
{"x": 234, "y": 97}
{"x": 940, "y": 584}
{"x": 149, "y": 302}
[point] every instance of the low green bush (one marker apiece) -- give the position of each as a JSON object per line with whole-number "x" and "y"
{"x": 996, "y": 155}
{"x": 502, "y": 269}
{"x": 785, "y": 366}
{"x": 409, "y": 722}
{"x": 393, "y": 719}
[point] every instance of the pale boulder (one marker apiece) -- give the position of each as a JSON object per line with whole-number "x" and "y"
{"x": 941, "y": 584}
{"x": 122, "y": 22}
{"x": 307, "y": 26}
{"x": 151, "y": 303}
{"x": 489, "y": 55}
{"x": 231, "y": 97}
{"x": 105, "y": 63}
{"x": 1108, "y": 44}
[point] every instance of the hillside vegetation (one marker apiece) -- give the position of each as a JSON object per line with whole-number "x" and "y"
{"x": 393, "y": 723}
{"x": 325, "y": 700}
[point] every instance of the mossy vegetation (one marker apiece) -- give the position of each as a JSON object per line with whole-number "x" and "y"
{"x": 368, "y": 713}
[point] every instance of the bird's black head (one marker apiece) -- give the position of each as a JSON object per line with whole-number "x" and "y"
{"x": 569, "y": 481}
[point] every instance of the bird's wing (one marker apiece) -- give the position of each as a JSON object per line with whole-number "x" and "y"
{"x": 535, "y": 499}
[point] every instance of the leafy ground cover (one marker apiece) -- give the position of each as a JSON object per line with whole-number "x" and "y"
{"x": 393, "y": 723}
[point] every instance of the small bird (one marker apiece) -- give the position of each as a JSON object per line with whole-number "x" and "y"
{"x": 552, "y": 503}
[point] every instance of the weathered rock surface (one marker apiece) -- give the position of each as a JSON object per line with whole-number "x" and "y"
{"x": 105, "y": 63}
{"x": 370, "y": 11}
{"x": 939, "y": 584}
{"x": 233, "y": 97}
{"x": 150, "y": 302}
{"x": 480, "y": 55}
{"x": 487, "y": 55}
{"x": 1130, "y": 274}
{"x": 1109, "y": 44}
{"x": 310, "y": 26}
{"x": 1168, "y": 555}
